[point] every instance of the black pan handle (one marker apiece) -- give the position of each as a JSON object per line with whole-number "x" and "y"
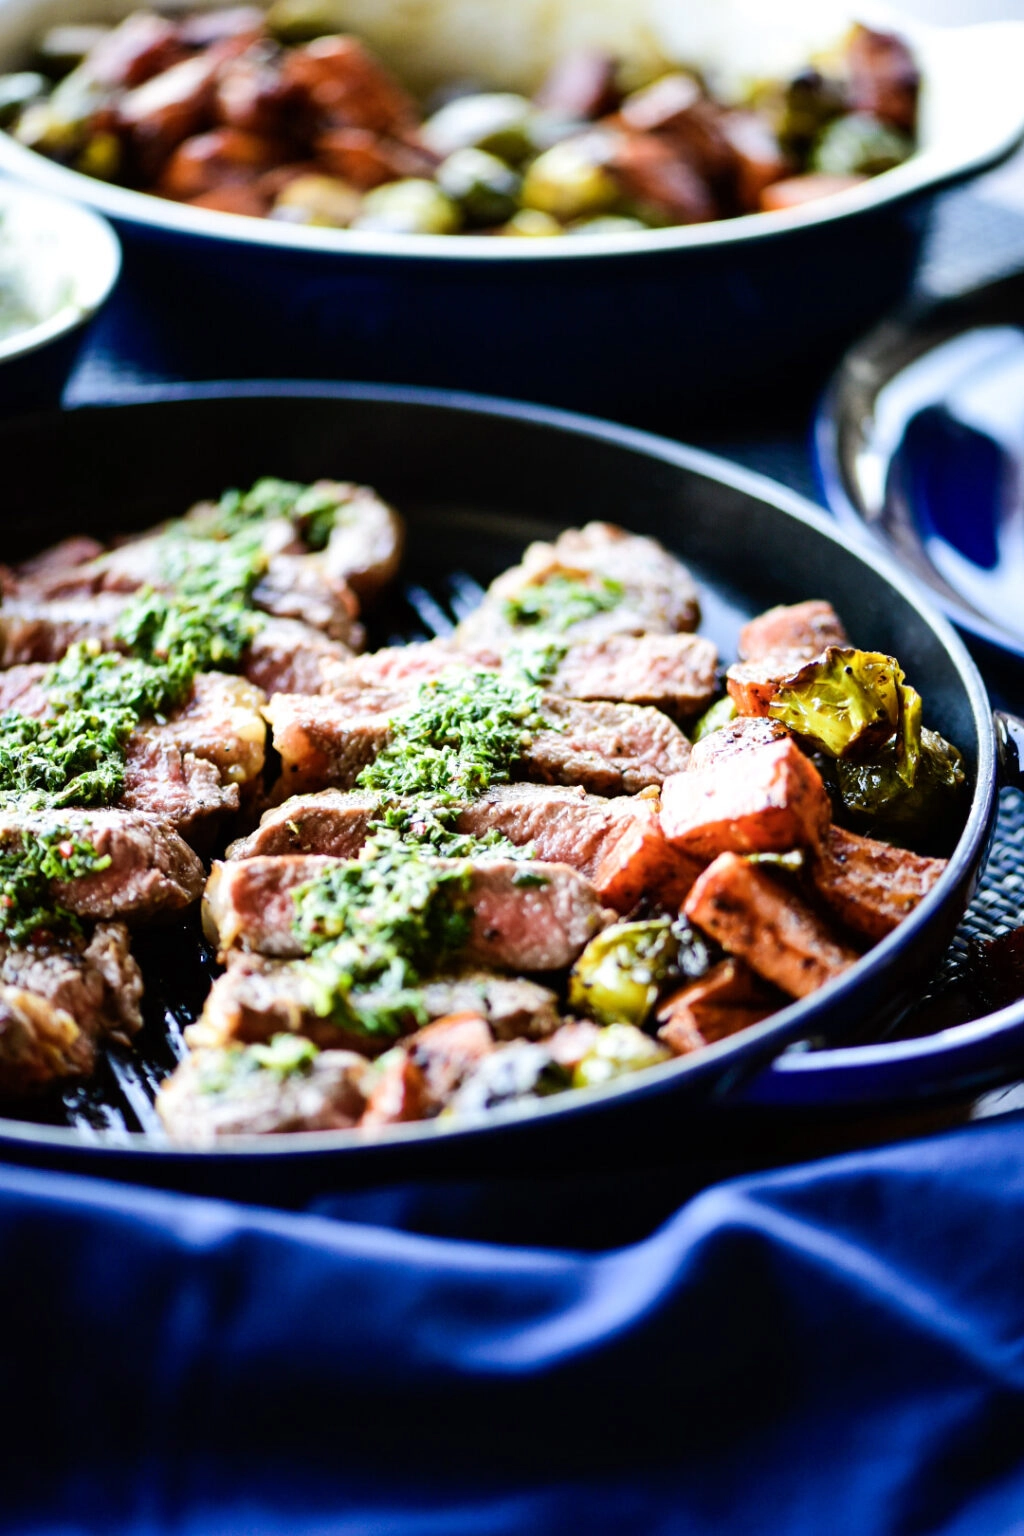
{"x": 1010, "y": 743}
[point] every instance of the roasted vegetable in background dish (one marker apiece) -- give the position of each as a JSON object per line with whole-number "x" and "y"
{"x": 280, "y": 116}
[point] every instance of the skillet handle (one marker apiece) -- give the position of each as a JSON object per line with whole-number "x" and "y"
{"x": 1010, "y": 744}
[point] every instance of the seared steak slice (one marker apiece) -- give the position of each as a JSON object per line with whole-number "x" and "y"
{"x": 331, "y": 821}
{"x": 248, "y": 1099}
{"x": 288, "y": 656}
{"x": 607, "y": 748}
{"x": 34, "y": 629}
{"x": 807, "y": 628}
{"x": 764, "y": 801}
{"x": 300, "y": 587}
{"x": 152, "y": 871}
{"x": 871, "y": 886}
{"x": 618, "y": 844}
{"x": 535, "y": 918}
{"x": 754, "y": 917}
{"x": 673, "y": 672}
{"x": 729, "y": 998}
{"x": 657, "y": 595}
{"x": 21, "y": 689}
{"x": 320, "y": 742}
{"x": 365, "y": 545}
{"x": 164, "y": 781}
{"x": 258, "y": 998}
{"x": 58, "y": 1000}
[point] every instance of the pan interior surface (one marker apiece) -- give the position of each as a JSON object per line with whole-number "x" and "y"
{"x": 476, "y": 481}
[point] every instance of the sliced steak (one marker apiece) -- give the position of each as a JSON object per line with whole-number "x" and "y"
{"x": 729, "y": 998}
{"x": 365, "y": 545}
{"x": 288, "y": 656}
{"x": 58, "y": 1000}
{"x": 34, "y": 629}
{"x": 676, "y": 673}
{"x": 225, "y": 1093}
{"x": 21, "y": 689}
{"x": 152, "y": 871}
{"x": 164, "y": 781}
{"x": 757, "y": 919}
{"x": 801, "y": 627}
{"x": 300, "y": 587}
{"x": 392, "y": 675}
{"x": 257, "y": 998}
{"x": 618, "y": 844}
{"x": 331, "y": 821}
{"x": 607, "y": 748}
{"x": 766, "y": 801}
{"x": 535, "y": 919}
{"x": 870, "y": 886}
{"x": 658, "y": 595}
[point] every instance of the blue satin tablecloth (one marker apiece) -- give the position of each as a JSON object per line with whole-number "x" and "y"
{"x": 835, "y": 1348}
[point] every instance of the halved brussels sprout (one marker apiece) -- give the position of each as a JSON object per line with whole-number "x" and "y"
{"x": 618, "y": 1049}
{"x": 621, "y": 973}
{"x": 496, "y": 121}
{"x": 485, "y": 188}
{"x": 876, "y": 797}
{"x": 412, "y": 207}
{"x": 847, "y": 702}
{"x": 569, "y": 181}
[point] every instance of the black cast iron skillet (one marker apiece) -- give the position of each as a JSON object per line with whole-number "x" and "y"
{"x": 476, "y": 479}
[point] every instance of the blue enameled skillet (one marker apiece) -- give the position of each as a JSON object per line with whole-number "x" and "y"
{"x": 476, "y": 479}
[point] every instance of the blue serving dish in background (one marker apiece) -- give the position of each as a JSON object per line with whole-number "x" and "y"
{"x": 920, "y": 439}
{"x": 58, "y": 266}
{"x": 655, "y": 327}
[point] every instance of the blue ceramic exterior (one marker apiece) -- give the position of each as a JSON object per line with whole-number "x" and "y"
{"x": 653, "y": 337}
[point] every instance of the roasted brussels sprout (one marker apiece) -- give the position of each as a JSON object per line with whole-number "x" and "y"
{"x": 859, "y": 145}
{"x": 621, "y": 973}
{"x": 847, "y": 702}
{"x": 570, "y": 181}
{"x": 618, "y": 1049}
{"x": 498, "y": 122}
{"x": 875, "y": 796}
{"x": 485, "y": 188}
{"x": 59, "y": 126}
{"x": 320, "y": 200}
{"x": 531, "y": 224}
{"x": 100, "y": 156}
{"x": 719, "y": 714}
{"x": 17, "y": 91}
{"x": 412, "y": 207}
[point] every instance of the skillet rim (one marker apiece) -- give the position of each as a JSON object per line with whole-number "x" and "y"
{"x": 754, "y": 1047}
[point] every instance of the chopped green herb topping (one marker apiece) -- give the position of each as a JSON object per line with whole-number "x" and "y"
{"x": 373, "y": 926}
{"x": 312, "y": 509}
{"x": 284, "y": 1055}
{"x": 535, "y": 664}
{"x": 28, "y": 867}
{"x": 465, "y": 733}
{"x": 562, "y": 601}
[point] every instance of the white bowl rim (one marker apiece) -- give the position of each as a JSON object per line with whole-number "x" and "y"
{"x": 86, "y": 231}
{"x": 928, "y": 170}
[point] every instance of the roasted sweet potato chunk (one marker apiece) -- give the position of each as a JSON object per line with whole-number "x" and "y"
{"x": 768, "y": 800}
{"x": 808, "y": 627}
{"x": 729, "y": 998}
{"x": 752, "y": 915}
{"x": 871, "y": 886}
